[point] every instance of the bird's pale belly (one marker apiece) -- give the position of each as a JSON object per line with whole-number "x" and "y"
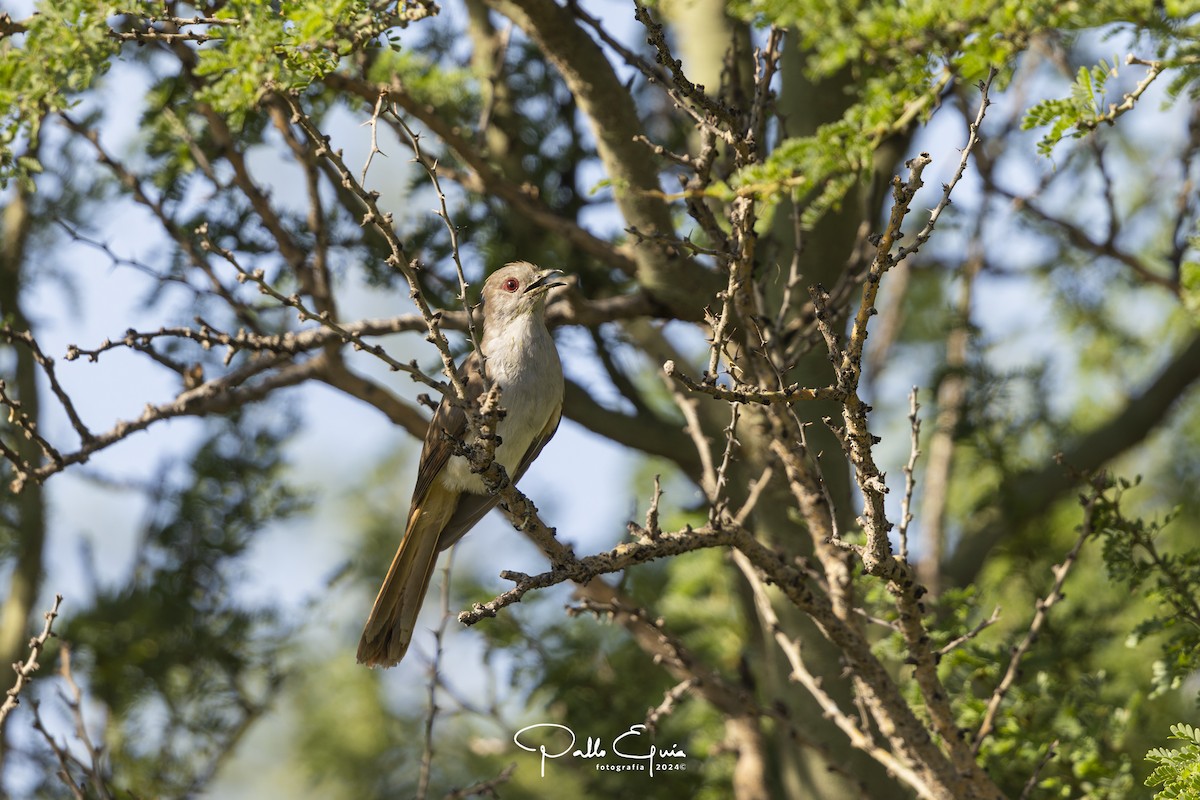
{"x": 516, "y": 435}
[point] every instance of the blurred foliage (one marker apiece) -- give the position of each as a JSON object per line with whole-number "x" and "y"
{"x": 66, "y": 49}
{"x": 1139, "y": 554}
{"x": 902, "y": 57}
{"x": 182, "y": 663}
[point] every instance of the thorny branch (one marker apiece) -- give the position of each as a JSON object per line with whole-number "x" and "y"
{"x": 667, "y": 543}
{"x": 791, "y": 648}
{"x": 294, "y": 301}
{"x": 443, "y": 213}
{"x": 752, "y": 394}
{"x": 738, "y": 307}
{"x": 398, "y": 259}
{"x": 1061, "y": 571}
{"x": 95, "y": 780}
{"x": 910, "y": 472}
{"x": 1109, "y": 117}
{"x": 30, "y": 665}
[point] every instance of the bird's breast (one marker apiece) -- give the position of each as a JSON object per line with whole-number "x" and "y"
{"x": 531, "y": 393}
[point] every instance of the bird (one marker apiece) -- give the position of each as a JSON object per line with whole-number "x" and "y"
{"x": 519, "y": 356}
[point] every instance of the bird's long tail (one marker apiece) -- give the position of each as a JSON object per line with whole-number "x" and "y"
{"x": 389, "y": 628}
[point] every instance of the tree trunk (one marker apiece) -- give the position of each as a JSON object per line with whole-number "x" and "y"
{"x": 26, "y": 537}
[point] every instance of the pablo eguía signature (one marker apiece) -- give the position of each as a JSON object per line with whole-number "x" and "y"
{"x": 634, "y": 753}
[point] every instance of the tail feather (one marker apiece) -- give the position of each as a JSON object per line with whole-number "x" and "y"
{"x": 393, "y": 618}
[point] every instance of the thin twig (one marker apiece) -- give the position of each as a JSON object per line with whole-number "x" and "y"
{"x": 751, "y": 394}
{"x": 1031, "y": 784}
{"x": 483, "y": 788}
{"x": 1039, "y": 618}
{"x": 373, "y": 122}
{"x": 858, "y": 737}
{"x": 94, "y": 768}
{"x": 670, "y": 700}
{"x": 1154, "y": 69}
{"x": 27, "y": 425}
{"x": 398, "y": 259}
{"x": 652, "y": 529}
{"x": 717, "y": 508}
{"x": 972, "y": 140}
{"x": 47, "y": 365}
{"x": 971, "y": 634}
{"x": 293, "y": 301}
{"x": 752, "y": 496}
{"x": 581, "y": 570}
{"x": 443, "y": 212}
{"x": 910, "y": 482}
{"x": 64, "y": 757}
{"x": 30, "y": 665}
{"x": 439, "y": 633}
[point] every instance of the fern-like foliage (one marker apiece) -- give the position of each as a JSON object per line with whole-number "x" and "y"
{"x": 1178, "y": 770}
{"x": 1075, "y": 115}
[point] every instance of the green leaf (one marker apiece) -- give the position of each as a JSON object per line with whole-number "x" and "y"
{"x": 1189, "y": 283}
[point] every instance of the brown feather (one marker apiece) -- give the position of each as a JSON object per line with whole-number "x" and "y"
{"x": 448, "y": 419}
{"x": 473, "y": 507}
{"x": 393, "y": 618}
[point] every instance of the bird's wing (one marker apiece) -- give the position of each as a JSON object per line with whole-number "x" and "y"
{"x": 450, "y": 419}
{"x": 472, "y": 507}
{"x": 539, "y": 441}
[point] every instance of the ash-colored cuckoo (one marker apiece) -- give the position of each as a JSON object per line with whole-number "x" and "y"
{"x": 448, "y": 499}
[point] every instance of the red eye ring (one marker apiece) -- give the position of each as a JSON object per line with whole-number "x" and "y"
{"x": 511, "y": 285}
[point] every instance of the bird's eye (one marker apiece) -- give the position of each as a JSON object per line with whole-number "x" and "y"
{"x": 511, "y": 285}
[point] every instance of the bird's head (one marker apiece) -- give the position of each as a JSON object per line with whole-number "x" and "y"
{"x": 518, "y": 289}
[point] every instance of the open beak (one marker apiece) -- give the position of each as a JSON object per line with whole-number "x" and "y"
{"x": 545, "y": 282}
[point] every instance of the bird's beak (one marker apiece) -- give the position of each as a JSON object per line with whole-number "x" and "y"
{"x": 545, "y": 282}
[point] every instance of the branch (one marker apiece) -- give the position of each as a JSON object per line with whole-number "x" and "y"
{"x": 137, "y": 189}
{"x": 398, "y": 259}
{"x": 910, "y": 468}
{"x": 972, "y": 141}
{"x": 910, "y": 739}
{"x": 668, "y": 543}
{"x": 482, "y": 788}
{"x": 293, "y": 301}
{"x": 93, "y": 766}
{"x": 569, "y": 307}
{"x": 443, "y": 213}
{"x": 894, "y": 715}
{"x": 708, "y": 112}
{"x": 951, "y": 402}
{"x": 1154, "y": 69}
{"x": 876, "y": 555}
{"x": 47, "y": 365}
{"x": 1078, "y": 237}
{"x": 649, "y": 631}
{"x": 216, "y": 396}
{"x": 858, "y": 738}
{"x": 1039, "y": 618}
{"x": 744, "y": 393}
{"x": 1031, "y": 784}
{"x": 26, "y": 668}
{"x": 971, "y": 634}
